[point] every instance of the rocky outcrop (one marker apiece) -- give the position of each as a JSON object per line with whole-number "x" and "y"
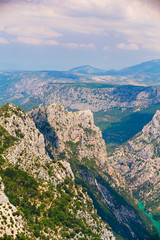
{"x": 46, "y": 202}
{"x": 61, "y": 127}
{"x": 11, "y": 221}
{"x": 29, "y": 152}
{"x": 139, "y": 161}
{"x": 78, "y": 91}
{"x": 36, "y": 157}
{"x": 73, "y": 135}
{"x": 77, "y": 127}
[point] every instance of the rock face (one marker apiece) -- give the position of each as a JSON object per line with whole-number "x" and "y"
{"x": 77, "y": 127}
{"x": 73, "y": 135}
{"x": 38, "y": 196}
{"x": 60, "y": 128}
{"x": 139, "y": 161}
{"x": 29, "y": 153}
{"x": 11, "y": 223}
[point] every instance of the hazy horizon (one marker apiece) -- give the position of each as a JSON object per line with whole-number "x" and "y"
{"x": 39, "y": 34}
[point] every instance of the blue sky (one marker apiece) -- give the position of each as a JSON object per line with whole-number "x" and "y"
{"x": 61, "y": 34}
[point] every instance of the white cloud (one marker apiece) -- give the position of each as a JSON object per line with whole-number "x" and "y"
{"x": 131, "y": 46}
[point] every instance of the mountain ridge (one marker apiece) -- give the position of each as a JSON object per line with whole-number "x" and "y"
{"x": 40, "y": 199}
{"x": 138, "y": 160}
{"x": 79, "y": 140}
{"x": 87, "y": 69}
{"x": 151, "y": 66}
{"x": 50, "y": 166}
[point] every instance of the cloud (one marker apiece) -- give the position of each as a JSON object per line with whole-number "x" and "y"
{"x": 36, "y": 41}
{"x": 130, "y": 46}
{"x": 38, "y": 21}
{"x": 152, "y": 3}
{"x": 29, "y": 31}
{"x": 3, "y": 41}
{"x": 51, "y": 42}
{"x": 79, "y": 45}
{"x": 31, "y": 41}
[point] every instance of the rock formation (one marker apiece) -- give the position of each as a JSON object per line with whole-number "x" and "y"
{"x": 38, "y": 196}
{"x": 139, "y": 161}
{"x": 73, "y": 136}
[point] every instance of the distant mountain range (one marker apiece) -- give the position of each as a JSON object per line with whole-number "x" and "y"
{"x": 87, "y": 69}
{"x": 145, "y": 68}
{"x": 84, "y": 87}
{"x": 49, "y": 153}
{"x": 144, "y": 74}
{"x": 150, "y": 67}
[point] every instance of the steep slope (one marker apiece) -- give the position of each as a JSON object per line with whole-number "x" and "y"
{"x": 38, "y": 196}
{"x": 10, "y": 220}
{"x": 73, "y": 136}
{"x": 139, "y": 161}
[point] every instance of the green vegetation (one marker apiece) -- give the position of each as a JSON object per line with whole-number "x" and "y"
{"x": 47, "y": 208}
{"x": 85, "y": 172}
{"x": 19, "y": 133}
{"x": 119, "y": 125}
{"x": 30, "y": 104}
{"x": 156, "y": 224}
{"x": 6, "y": 140}
{"x": 42, "y": 209}
{"x": 152, "y": 206}
{"x": 7, "y": 111}
{"x": 95, "y": 85}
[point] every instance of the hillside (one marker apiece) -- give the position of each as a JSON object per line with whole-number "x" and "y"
{"x": 87, "y": 70}
{"x": 43, "y": 168}
{"x": 83, "y": 87}
{"x": 74, "y": 136}
{"x": 146, "y": 68}
{"x": 39, "y": 197}
{"x": 119, "y": 111}
{"x": 138, "y": 160}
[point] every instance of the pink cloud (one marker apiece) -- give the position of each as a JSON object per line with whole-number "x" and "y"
{"x": 36, "y": 41}
{"x": 3, "y": 41}
{"x": 130, "y": 46}
{"x": 79, "y": 45}
{"x": 28, "y": 31}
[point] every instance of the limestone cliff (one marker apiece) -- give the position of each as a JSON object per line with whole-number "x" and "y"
{"x": 29, "y": 151}
{"x": 139, "y": 161}
{"x": 38, "y": 196}
{"x": 73, "y": 136}
{"x": 61, "y": 127}
{"x": 77, "y": 127}
{"x": 10, "y": 221}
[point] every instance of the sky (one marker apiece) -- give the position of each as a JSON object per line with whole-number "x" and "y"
{"x": 62, "y": 34}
